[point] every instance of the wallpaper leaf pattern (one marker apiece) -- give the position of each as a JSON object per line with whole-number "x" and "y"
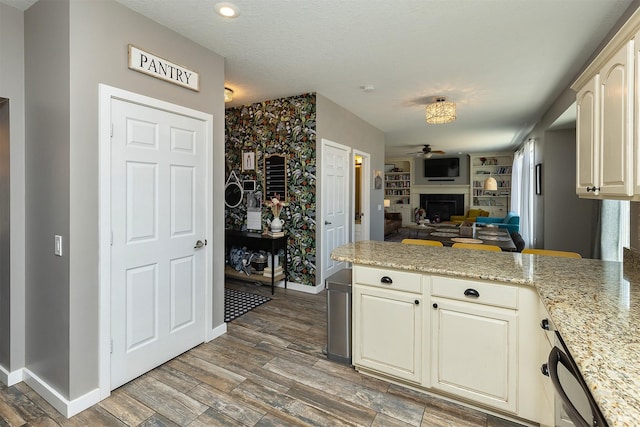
{"x": 285, "y": 126}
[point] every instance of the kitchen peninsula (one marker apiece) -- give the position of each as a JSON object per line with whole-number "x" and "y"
{"x": 593, "y": 304}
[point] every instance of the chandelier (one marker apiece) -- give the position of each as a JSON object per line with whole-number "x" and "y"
{"x": 440, "y": 112}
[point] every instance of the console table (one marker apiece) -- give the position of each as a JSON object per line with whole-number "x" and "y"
{"x": 257, "y": 241}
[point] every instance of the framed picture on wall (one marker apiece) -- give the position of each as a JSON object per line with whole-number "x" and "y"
{"x": 377, "y": 179}
{"x": 248, "y": 161}
{"x": 539, "y": 179}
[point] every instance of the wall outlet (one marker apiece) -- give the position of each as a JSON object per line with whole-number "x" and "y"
{"x": 57, "y": 249}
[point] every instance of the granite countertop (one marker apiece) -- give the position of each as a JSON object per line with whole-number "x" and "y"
{"x": 592, "y": 303}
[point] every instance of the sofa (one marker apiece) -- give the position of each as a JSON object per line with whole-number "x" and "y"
{"x": 392, "y": 222}
{"x": 511, "y": 222}
{"x": 470, "y": 216}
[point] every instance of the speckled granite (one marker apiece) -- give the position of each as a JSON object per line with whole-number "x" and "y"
{"x": 595, "y": 307}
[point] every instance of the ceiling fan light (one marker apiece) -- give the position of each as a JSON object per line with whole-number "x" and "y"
{"x": 440, "y": 112}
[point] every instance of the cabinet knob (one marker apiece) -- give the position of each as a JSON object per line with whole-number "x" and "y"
{"x": 386, "y": 280}
{"x": 471, "y": 293}
{"x": 545, "y": 369}
{"x": 544, "y": 324}
{"x": 594, "y": 189}
{"x": 417, "y": 302}
{"x": 435, "y": 305}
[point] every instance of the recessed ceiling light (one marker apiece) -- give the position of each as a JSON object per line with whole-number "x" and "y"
{"x": 228, "y": 10}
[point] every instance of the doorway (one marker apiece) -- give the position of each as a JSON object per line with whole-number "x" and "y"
{"x": 362, "y": 195}
{"x": 155, "y": 217}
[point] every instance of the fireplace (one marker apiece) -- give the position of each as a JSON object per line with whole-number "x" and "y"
{"x": 442, "y": 206}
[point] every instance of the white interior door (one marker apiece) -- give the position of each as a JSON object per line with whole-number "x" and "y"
{"x": 158, "y": 168}
{"x": 336, "y": 167}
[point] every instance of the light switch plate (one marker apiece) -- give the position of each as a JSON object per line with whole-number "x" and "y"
{"x": 57, "y": 250}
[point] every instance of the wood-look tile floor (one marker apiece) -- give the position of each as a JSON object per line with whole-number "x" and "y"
{"x": 268, "y": 370}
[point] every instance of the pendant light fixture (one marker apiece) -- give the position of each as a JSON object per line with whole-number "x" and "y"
{"x": 490, "y": 184}
{"x": 441, "y": 111}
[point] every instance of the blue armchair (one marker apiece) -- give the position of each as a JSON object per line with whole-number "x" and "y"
{"x": 511, "y": 222}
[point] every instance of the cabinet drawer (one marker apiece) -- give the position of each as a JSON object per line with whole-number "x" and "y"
{"x": 488, "y": 293}
{"x": 399, "y": 280}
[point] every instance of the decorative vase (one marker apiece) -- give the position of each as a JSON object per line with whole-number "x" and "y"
{"x": 276, "y": 224}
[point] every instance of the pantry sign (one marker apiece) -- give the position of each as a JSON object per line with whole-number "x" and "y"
{"x": 160, "y": 68}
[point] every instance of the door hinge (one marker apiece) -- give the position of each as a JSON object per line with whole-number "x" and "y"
{"x": 111, "y": 347}
{"x": 111, "y": 239}
{"x": 111, "y": 131}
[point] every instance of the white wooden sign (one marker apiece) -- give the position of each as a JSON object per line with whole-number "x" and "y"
{"x": 153, "y": 65}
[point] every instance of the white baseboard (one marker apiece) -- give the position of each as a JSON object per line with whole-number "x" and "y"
{"x": 300, "y": 287}
{"x": 66, "y": 407}
{"x": 216, "y": 332}
{"x": 10, "y": 378}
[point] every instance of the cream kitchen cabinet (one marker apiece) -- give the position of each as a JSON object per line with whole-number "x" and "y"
{"x": 474, "y": 341}
{"x": 604, "y": 128}
{"x": 587, "y": 139}
{"x": 387, "y": 323}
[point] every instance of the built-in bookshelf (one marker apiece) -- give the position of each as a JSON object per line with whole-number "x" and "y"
{"x": 397, "y": 182}
{"x": 498, "y": 166}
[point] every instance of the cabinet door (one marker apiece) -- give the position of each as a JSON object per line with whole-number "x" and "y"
{"x": 616, "y": 124}
{"x": 587, "y": 138}
{"x": 388, "y": 332}
{"x": 473, "y": 352}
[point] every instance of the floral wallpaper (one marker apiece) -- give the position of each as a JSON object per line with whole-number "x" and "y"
{"x": 285, "y": 126}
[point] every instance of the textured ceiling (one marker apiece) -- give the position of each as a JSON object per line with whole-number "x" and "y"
{"x": 502, "y": 61}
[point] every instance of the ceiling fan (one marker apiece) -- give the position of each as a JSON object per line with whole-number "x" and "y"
{"x": 427, "y": 152}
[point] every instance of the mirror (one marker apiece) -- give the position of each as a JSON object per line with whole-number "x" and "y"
{"x": 233, "y": 194}
{"x": 233, "y": 191}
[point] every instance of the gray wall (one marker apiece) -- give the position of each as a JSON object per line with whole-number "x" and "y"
{"x": 47, "y": 169}
{"x": 12, "y": 290}
{"x": 567, "y": 218}
{"x": 64, "y": 200}
{"x": 339, "y": 125}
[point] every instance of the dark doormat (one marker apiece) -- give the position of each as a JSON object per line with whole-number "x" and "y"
{"x": 237, "y": 303}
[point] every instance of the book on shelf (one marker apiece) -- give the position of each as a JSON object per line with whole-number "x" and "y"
{"x": 275, "y": 233}
{"x": 267, "y": 271}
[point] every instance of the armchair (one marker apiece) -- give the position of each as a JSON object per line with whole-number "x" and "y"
{"x": 470, "y": 217}
{"x": 511, "y": 222}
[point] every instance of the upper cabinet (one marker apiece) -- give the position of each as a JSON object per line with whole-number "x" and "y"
{"x": 607, "y": 114}
{"x": 616, "y": 123}
{"x": 587, "y": 139}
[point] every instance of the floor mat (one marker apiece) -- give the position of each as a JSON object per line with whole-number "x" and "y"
{"x": 237, "y": 303}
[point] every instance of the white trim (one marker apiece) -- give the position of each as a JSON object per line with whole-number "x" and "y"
{"x": 66, "y": 407}
{"x": 11, "y": 378}
{"x": 106, "y": 95}
{"x": 365, "y": 170}
{"x": 216, "y": 332}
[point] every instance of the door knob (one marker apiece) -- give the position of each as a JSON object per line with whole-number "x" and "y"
{"x": 327, "y": 223}
{"x": 199, "y": 244}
